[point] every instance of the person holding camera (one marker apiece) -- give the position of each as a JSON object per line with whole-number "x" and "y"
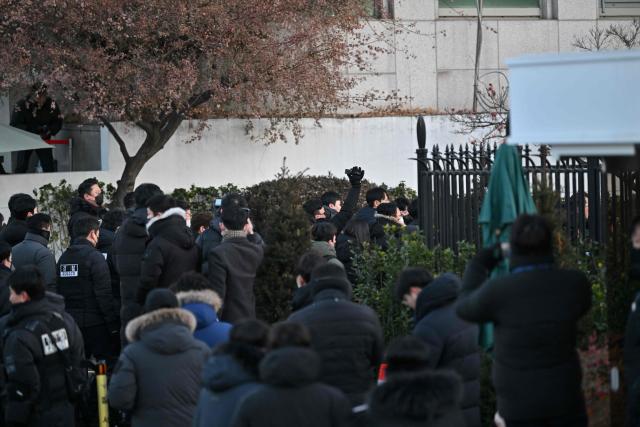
{"x": 39, "y": 114}
{"x": 535, "y": 310}
{"x": 318, "y": 212}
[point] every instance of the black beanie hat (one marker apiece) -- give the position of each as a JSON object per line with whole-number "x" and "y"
{"x": 160, "y": 298}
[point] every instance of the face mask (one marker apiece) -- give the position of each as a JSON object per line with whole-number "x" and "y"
{"x": 100, "y": 199}
{"x": 46, "y": 234}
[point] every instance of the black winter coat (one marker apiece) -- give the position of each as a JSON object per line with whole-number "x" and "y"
{"x": 292, "y": 395}
{"x": 232, "y": 272}
{"x": 84, "y": 282}
{"x": 535, "y": 310}
{"x": 36, "y": 388}
{"x": 81, "y": 209}
{"x": 14, "y": 232}
{"x": 170, "y": 253}
{"x": 366, "y": 213}
{"x": 127, "y": 250}
{"x": 212, "y": 237}
{"x": 28, "y": 116}
{"x": 419, "y": 399}
{"x": 158, "y": 375}
{"x": 452, "y": 342}
{"x": 105, "y": 246}
{"x": 341, "y": 218}
{"x": 378, "y": 234}
{"x": 346, "y": 248}
{"x": 5, "y": 304}
{"x": 347, "y": 336}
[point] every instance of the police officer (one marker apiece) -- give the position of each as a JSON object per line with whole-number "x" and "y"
{"x": 85, "y": 283}
{"x": 42, "y": 355}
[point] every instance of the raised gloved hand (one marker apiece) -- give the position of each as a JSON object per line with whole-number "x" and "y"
{"x": 355, "y": 175}
{"x": 490, "y": 257}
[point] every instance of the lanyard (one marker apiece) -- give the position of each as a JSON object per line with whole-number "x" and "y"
{"x": 533, "y": 267}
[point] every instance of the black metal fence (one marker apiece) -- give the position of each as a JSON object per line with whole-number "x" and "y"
{"x": 591, "y": 203}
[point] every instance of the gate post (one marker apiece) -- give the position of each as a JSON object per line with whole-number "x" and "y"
{"x": 421, "y": 154}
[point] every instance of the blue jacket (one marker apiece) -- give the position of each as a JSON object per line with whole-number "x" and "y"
{"x": 204, "y": 304}
{"x": 228, "y": 377}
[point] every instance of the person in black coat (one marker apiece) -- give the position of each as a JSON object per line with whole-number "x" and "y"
{"x": 84, "y": 282}
{"x": 375, "y": 197}
{"x": 293, "y": 394}
{"x": 317, "y": 211}
{"x": 5, "y": 272}
{"x": 212, "y": 236}
{"x": 346, "y": 335}
{"x": 233, "y": 266}
{"x": 128, "y": 247}
{"x": 351, "y": 242}
{"x": 172, "y": 250}
{"x": 302, "y": 296}
{"x": 38, "y": 114}
{"x": 387, "y": 219}
{"x": 111, "y": 221}
{"x": 88, "y": 203}
{"x": 412, "y": 394}
{"x": 452, "y": 343}
{"x": 21, "y": 207}
{"x": 535, "y": 310}
{"x": 34, "y": 249}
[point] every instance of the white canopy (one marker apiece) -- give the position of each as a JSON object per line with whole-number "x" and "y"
{"x": 14, "y": 139}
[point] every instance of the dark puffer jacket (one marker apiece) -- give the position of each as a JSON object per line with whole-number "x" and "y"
{"x": 81, "y": 209}
{"x": 452, "y": 342}
{"x": 425, "y": 398}
{"x": 378, "y": 233}
{"x": 292, "y": 395}
{"x": 229, "y": 376}
{"x": 105, "y": 245}
{"x": 347, "y": 336}
{"x": 170, "y": 253}
{"x": 158, "y": 375}
{"x": 34, "y": 250}
{"x": 84, "y": 282}
{"x": 535, "y": 310}
{"x": 14, "y": 232}
{"x": 128, "y": 248}
{"x": 5, "y": 304}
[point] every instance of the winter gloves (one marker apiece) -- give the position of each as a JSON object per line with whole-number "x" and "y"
{"x": 490, "y": 257}
{"x": 355, "y": 175}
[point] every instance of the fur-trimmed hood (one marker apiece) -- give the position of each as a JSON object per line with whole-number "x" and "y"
{"x": 166, "y": 214}
{"x": 390, "y": 219}
{"x": 162, "y": 328}
{"x": 172, "y": 227}
{"x": 425, "y": 397}
{"x": 203, "y": 296}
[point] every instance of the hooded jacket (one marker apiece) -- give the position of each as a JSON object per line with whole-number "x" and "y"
{"x": 292, "y": 395}
{"x": 366, "y": 213}
{"x": 127, "y": 250}
{"x": 326, "y": 251}
{"x": 233, "y": 265}
{"x": 536, "y": 369}
{"x": 33, "y": 250}
{"x": 14, "y": 232}
{"x": 452, "y": 342}
{"x": 204, "y": 305}
{"x": 80, "y": 208}
{"x": 228, "y": 377}
{"x": 416, "y": 399}
{"x": 346, "y": 335}
{"x": 158, "y": 375}
{"x": 170, "y": 253}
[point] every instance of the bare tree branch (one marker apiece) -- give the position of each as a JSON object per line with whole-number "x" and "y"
{"x": 118, "y": 138}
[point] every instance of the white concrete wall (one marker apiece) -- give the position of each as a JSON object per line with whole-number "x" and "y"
{"x": 225, "y": 154}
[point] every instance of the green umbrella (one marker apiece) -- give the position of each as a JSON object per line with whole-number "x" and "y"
{"x": 507, "y": 197}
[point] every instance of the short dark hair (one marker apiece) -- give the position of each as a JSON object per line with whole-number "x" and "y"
{"x": 233, "y": 200}
{"x": 27, "y": 279}
{"x": 200, "y": 219}
{"x": 83, "y": 226}
{"x": 38, "y": 221}
{"x": 289, "y": 334}
{"x": 234, "y": 217}
{"x": 531, "y": 235}
{"x": 405, "y": 355}
{"x": 182, "y": 204}
{"x": 191, "y": 281}
{"x": 411, "y": 277}
{"x": 358, "y": 228}
{"x": 144, "y": 192}
{"x": 307, "y": 263}
{"x": 387, "y": 209}
{"x": 113, "y": 219}
{"x": 20, "y": 205}
{"x": 252, "y": 332}
{"x": 323, "y": 231}
{"x": 161, "y": 203}
{"x": 5, "y": 250}
{"x": 376, "y": 194}
{"x": 312, "y": 206}
{"x": 402, "y": 203}
{"x": 130, "y": 200}
{"x": 85, "y": 186}
{"x": 330, "y": 198}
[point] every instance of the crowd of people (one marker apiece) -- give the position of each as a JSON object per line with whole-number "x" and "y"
{"x": 167, "y": 300}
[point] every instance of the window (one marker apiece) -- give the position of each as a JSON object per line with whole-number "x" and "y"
{"x": 490, "y": 8}
{"x": 379, "y": 9}
{"x": 620, "y": 7}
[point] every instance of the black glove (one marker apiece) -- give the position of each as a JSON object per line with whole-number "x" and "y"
{"x": 355, "y": 175}
{"x": 490, "y": 257}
